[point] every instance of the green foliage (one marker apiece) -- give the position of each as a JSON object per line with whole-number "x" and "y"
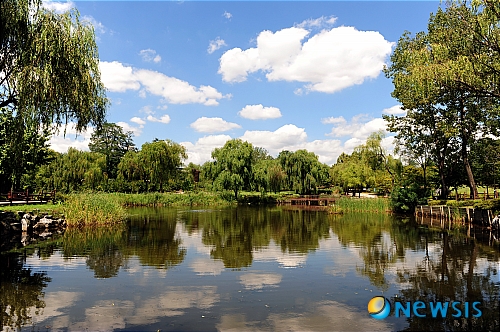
{"x": 404, "y": 199}
{"x": 304, "y": 173}
{"x": 73, "y": 171}
{"x": 49, "y": 66}
{"x": 92, "y": 209}
{"x": 232, "y": 168}
{"x": 435, "y": 76}
{"x": 111, "y": 141}
{"x": 20, "y": 154}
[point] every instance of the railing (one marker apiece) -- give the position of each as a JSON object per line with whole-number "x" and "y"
{"x": 26, "y": 196}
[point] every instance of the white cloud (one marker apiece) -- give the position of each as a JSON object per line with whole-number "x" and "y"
{"x": 201, "y": 150}
{"x": 137, "y": 120}
{"x": 98, "y": 26}
{"x": 259, "y": 112}
{"x": 227, "y": 15}
{"x": 333, "y": 120}
{"x": 150, "y": 55}
{"x": 359, "y": 127}
{"x": 61, "y": 142}
{"x": 328, "y": 61}
{"x": 213, "y": 125}
{"x": 58, "y": 7}
{"x": 214, "y": 45}
{"x": 395, "y": 110}
{"x": 163, "y": 119}
{"x": 317, "y": 23}
{"x": 136, "y": 131}
{"x": 274, "y": 141}
{"x": 120, "y": 78}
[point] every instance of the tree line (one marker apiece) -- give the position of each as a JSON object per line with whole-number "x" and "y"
{"x": 447, "y": 80}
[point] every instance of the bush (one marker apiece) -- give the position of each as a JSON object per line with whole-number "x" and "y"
{"x": 405, "y": 199}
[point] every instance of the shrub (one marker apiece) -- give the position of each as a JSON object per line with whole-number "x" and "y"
{"x": 405, "y": 199}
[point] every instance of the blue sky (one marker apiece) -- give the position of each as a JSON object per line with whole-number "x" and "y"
{"x": 281, "y": 75}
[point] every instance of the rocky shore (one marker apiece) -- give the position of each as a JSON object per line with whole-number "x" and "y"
{"x": 21, "y": 228}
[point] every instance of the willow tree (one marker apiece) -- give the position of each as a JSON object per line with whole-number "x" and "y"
{"x": 49, "y": 71}
{"x": 429, "y": 72}
{"x": 232, "y": 168}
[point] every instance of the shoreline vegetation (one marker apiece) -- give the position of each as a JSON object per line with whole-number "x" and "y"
{"x": 100, "y": 209}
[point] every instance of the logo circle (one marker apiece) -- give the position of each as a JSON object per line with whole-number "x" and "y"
{"x": 379, "y": 307}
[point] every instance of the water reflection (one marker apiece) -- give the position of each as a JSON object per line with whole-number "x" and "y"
{"x": 234, "y": 235}
{"x": 247, "y": 268}
{"x": 21, "y": 291}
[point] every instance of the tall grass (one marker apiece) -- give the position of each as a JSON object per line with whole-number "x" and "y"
{"x": 92, "y": 209}
{"x": 348, "y": 204}
{"x": 170, "y": 199}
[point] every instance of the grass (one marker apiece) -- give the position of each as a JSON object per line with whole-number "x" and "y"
{"x": 92, "y": 209}
{"x": 49, "y": 208}
{"x": 348, "y": 204}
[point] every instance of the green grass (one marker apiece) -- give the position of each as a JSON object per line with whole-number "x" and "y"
{"x": 92, "y": 209}
{"x": 348, "y": 204}
{"x": 170, "y": 199}
{"x": 49, "y": 208}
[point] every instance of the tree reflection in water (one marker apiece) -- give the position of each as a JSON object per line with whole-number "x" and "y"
{"x": 21, "y": 290}
{"x": 234, "y": 234}
{"x": 448, "y": 271}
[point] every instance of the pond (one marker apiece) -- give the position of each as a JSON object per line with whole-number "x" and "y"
{"x": 250, "y": 268}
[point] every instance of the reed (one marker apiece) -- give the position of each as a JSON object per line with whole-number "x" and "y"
{"x": 93, "y": 209}
{"x": 348, "y": 204}
{"x": 171, "y": 199}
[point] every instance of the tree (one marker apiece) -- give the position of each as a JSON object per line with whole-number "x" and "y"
{"x": 232, "y": 166}
{"x": 19, "y": 163}
{"x": 426, "y": 70}
{"x": 161, "y": 160}
{"x": 303, "y": 170}
{"x": 111, "y": 141}
{"x": 49, "y": 66}
{"x": 73, "y": 171}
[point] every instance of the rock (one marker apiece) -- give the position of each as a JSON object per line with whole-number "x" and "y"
{"x": 25, "y": 224}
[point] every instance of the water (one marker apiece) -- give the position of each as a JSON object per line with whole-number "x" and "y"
{"x": 246, "y": 269}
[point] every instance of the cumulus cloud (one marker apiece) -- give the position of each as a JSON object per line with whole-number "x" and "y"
{"x": 259, "y": 112}
{"x": 213, "y": 125}
{"x": 282, "y": 138}
{"x": 395, "y": 110}
{"x": 227, "y": 15}
{"x": 360, "y": 127}
{"x": 62, "y": 141}
{"x": 138, "y": 120}
{"x": 163, "y": 119}
{"x": 214, "y": 45}
{"x": 200, "y": 151}
{"x": 329, "y": 61}
{"x": 58, "y": 7}
{"x": 120, "y": 78}
{"x": 150, "y": 55}
{"x": 333, "y": 120}
{"x": 136, "y": 131}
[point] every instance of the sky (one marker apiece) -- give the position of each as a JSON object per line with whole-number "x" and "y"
{"x": 282, "y": 75}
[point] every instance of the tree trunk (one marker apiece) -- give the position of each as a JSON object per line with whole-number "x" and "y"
{"x": 465, "y": 157}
